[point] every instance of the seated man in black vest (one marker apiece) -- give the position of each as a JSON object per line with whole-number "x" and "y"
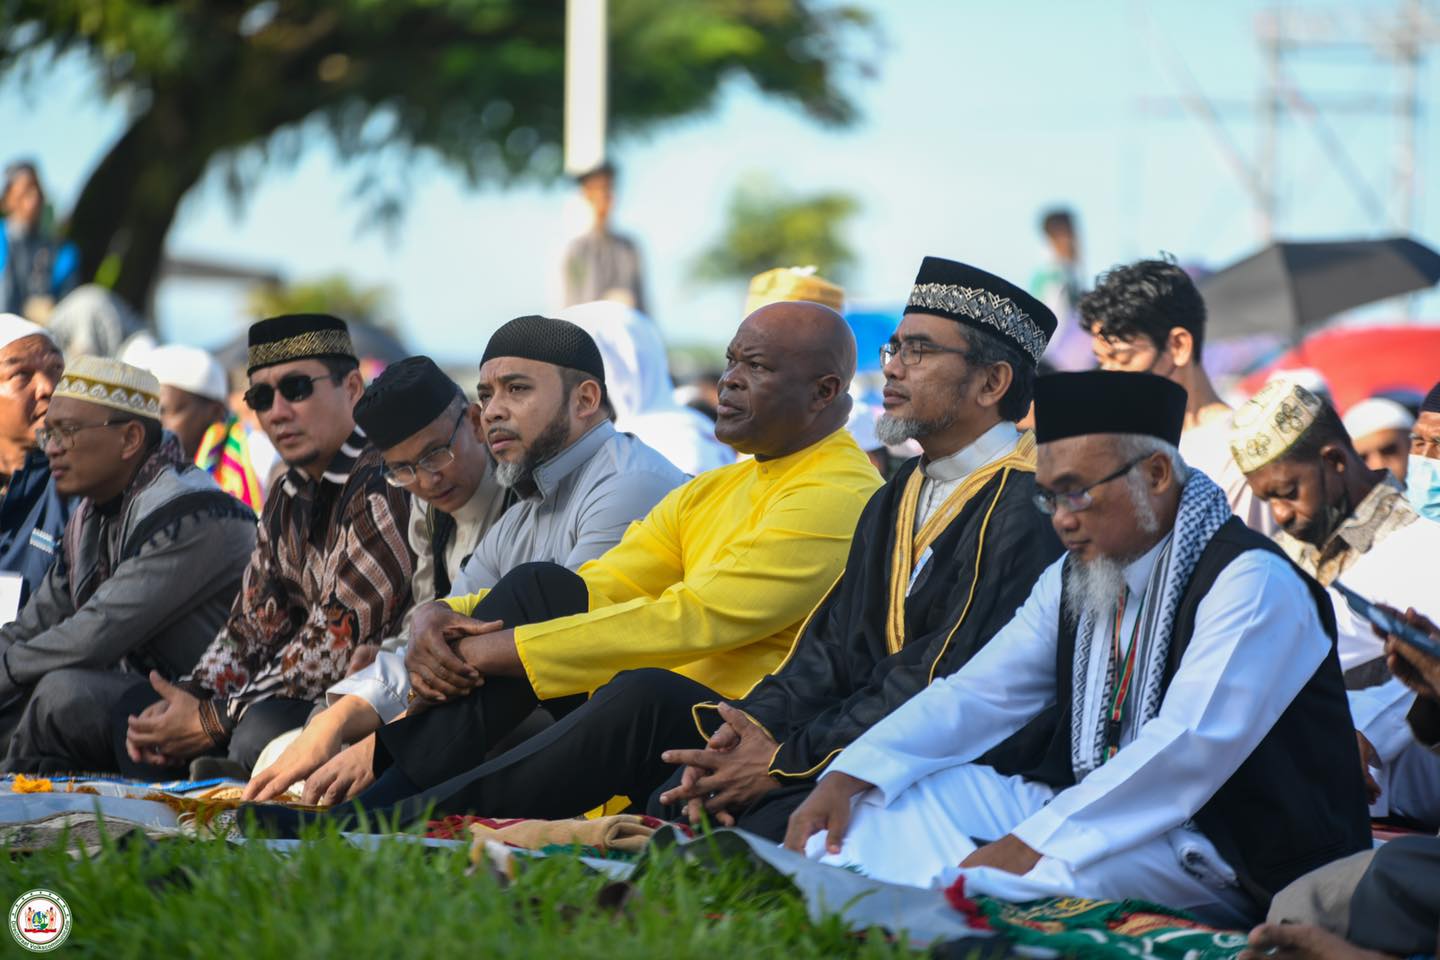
{"x": 1204, "y": 756}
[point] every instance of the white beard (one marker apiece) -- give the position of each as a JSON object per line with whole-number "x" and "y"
{"x": 1093, "y": 588}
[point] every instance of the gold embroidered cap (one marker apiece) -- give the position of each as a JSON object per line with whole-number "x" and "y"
{"x": 298, "y": 336}
{"x": 112, "y": 384}
{"x": 1269, "y": 423}
{"x": 784, "y": 284}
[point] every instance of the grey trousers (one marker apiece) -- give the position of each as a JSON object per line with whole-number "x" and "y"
{"x": 1386, "y": 899}
{"x": 64, "y": 726}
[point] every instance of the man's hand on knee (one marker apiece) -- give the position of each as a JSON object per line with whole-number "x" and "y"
{"x": 437, "y": 671}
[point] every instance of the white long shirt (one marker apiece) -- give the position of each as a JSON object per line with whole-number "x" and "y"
{"x": 944, "y": 474}
{"x": 1257, "y": 642}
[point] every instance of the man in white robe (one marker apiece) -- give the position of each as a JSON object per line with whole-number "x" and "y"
{"x": 1342, "y": 521}
{"x": 1227, "y": 690}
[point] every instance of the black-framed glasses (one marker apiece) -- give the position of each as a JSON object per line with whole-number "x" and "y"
{"x": 912, "y": 352}
{"x": 1047, "y": 501}
{"x": 64, "y": 434}
{"x": 294, "y": 388}
{"x": 404, "y": 474}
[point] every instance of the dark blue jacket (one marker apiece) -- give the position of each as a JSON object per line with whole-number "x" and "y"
{"x": 32, "y": 520}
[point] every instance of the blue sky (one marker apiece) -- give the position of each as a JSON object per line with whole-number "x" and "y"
{"x": 982, "y": 114}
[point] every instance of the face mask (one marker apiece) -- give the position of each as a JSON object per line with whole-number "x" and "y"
{"x": 1422, "y": 486}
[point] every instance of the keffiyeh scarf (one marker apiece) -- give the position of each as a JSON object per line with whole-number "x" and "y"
{"x": 1203, "y": 510}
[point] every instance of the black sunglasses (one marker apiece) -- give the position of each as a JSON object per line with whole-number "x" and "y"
{"x": 294, "y": 388}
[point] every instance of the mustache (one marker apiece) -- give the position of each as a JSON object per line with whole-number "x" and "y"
{"x": 500, "y": 433}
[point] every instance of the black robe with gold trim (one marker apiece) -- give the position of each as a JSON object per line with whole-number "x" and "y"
{"x": 868, "y": 647}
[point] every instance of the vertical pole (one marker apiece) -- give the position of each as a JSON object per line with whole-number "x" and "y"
{"x": 586, "y": 74}
{"x": 1273, "y": 39}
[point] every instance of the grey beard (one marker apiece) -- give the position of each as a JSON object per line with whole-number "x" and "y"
{"x": 509, "y": 474}
{"x": 894, "y": 430}
{"x": 1093, "y": 587}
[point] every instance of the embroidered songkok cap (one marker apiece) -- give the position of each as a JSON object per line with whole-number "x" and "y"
{"x": 1271, "y": 422}
{"x": 112, "y": 384}
{"x": 1108, "y": 401}
{"x": 785, "y": 284}
{"x": 190, "y": 369}
{"x": 984, "y": 301}
{"x": 405, "y": 399}
{"x": 298, "y": 336}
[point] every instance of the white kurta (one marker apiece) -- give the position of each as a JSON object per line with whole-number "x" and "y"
{"x": 1207, "y": 449}
{"x": 1121, "y": 832}
{"x": 1398, "y": 570}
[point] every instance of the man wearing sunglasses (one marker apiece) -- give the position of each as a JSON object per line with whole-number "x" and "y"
{"x": 330, "y": 571}
{"x": 148, "y": 566}
{"x": 940, "y": 560}
{"x": 1193, "y": 671}
{"x": 578, "y": 483}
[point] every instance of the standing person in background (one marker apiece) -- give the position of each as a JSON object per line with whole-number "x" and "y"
{"x": 1058, "y": 284}
{"x": 601, "y": 264}
{"x": 37, "y": 269}
{"x": 1147, "y": 317}
{"x": 193, "y": 405}
{"x": 32, "y": 512}
{"x": 1380, "y": 430}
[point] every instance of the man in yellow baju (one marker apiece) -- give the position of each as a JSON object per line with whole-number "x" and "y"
{"x": 714, "y": 583}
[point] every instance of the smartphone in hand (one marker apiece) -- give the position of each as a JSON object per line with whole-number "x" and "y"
{"x": 1387, "y": 622}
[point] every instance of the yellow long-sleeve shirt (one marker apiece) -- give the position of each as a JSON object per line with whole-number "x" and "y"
{"x": 715, "y": 581}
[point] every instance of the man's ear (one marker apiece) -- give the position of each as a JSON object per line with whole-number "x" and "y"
{"x": 998, "y": 377}
{"x": 133, "y": 444}
{"x": 354, "y": 385}
{"x": 827, "y": 389}
{"x": 586, "y": 398}
{"x": 1333, "y": 454}
{"x": 1181, "y": 346}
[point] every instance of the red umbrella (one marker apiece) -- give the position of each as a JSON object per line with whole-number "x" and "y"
{"x": 1359, "y": 362}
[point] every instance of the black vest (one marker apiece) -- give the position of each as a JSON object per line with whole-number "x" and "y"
{"x": 1297, "y": 802}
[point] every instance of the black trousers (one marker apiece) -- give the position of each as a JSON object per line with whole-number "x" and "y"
{"x": 263, "y": 722}
{"x": 453, "y": 738}
{"x": 608, "y": 747}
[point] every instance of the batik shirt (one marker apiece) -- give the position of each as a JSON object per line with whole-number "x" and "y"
{"x": 331, "y": 570}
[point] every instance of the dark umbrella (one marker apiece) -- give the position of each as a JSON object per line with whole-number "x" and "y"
{"x": 1289, "y": 288}
{"x": 371, "y": 343}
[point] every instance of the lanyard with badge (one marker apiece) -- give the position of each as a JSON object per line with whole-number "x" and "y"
{"x": 1121, "y": 694}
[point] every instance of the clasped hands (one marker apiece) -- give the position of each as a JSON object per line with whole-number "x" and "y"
{"x": 729, "y": 774}
{"x": 450, "y": 654}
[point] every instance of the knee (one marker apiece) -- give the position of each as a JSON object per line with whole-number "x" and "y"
{"x": 560, "y": 585}
{"x": 655, "y": 688}
{"x": 60, "y": 691}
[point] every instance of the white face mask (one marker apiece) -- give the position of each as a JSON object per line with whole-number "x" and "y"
{"x": 1422, "y": 486}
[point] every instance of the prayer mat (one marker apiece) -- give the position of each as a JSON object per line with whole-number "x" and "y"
{"x": 622, "y": 833}
{"x": 1099, "y": 929}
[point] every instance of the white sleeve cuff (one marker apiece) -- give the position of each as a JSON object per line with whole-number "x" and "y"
{"x": 385, "y": 685}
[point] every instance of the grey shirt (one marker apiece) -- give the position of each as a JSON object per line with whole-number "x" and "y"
{"x": 585, "y": 498}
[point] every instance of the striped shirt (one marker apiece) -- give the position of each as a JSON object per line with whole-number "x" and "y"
{"x": 331, "y": 570}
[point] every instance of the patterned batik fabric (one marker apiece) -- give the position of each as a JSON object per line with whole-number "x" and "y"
{"x": 331, "y": 570}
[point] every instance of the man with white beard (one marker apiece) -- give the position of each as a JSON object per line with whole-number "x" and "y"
{"x": 1194, "y": 671}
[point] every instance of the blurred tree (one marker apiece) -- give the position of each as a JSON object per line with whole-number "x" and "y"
{"x": 479, "y": 83}
{"x": 336, "y": 294}
{"x": 767, "y": 227}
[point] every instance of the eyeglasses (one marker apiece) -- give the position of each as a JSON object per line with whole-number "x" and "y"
{"x": 912, "y": 352}
{"x": 64, "y": 434}
{"x": 404, "y": 474}
{"x": 1048, "y": 502}
{"x": 293, "y": 388}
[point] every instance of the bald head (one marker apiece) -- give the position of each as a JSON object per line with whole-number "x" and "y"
{"x": 812, "y": 331}
{"x": 787, "y": 373}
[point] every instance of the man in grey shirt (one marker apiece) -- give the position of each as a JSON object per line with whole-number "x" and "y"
{"x": 580, "y": 484}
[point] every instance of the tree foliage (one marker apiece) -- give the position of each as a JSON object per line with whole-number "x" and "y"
{"x": 335, "y": 294}
{"x": 767, "y": 227}
{"x": 478, "y": 83}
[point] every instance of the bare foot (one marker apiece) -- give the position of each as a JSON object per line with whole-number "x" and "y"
{"x": 1302, "y": 942}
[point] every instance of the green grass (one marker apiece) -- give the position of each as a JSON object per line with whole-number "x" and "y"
{"x": 207, "y": 898}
